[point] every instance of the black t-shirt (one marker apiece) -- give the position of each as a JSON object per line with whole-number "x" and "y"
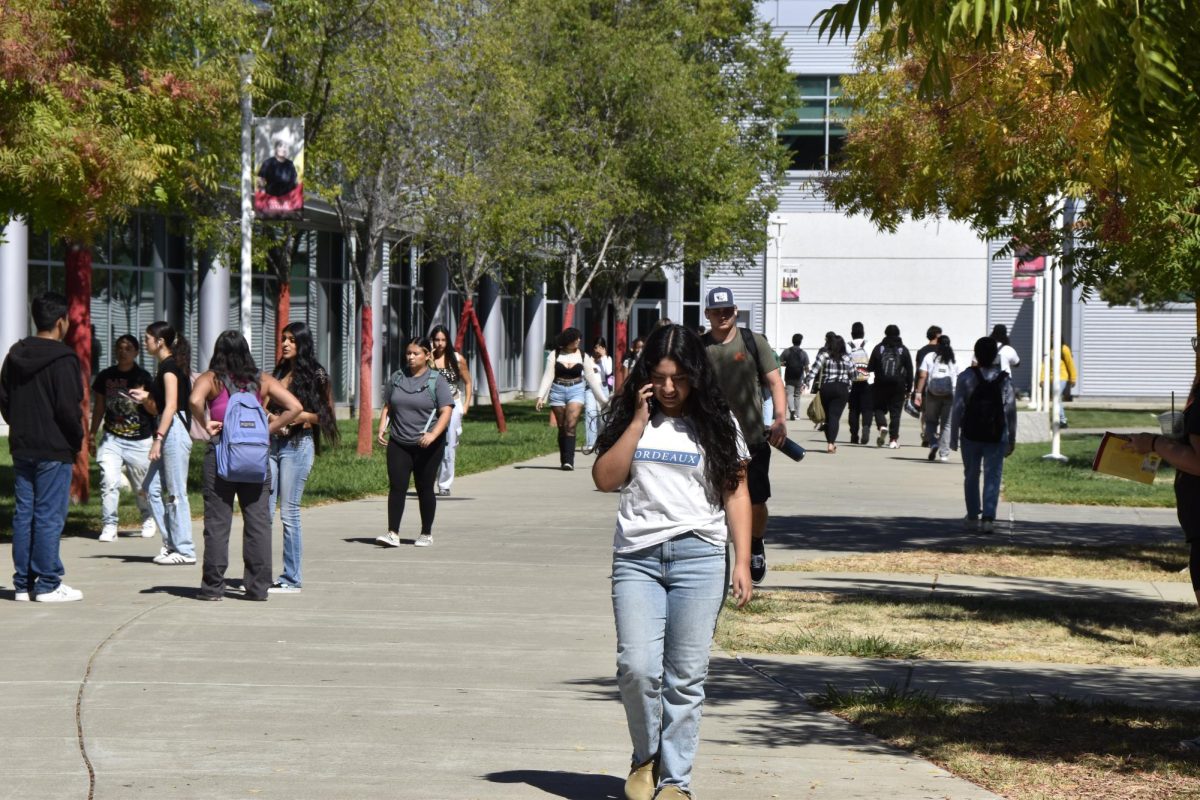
{"x": 159, "y": 388}
{"x": 123, "y": 417}
{"x": 1187, "y": 487}
{"x": 795, "y": 363}
{"x": 279, "y": 177}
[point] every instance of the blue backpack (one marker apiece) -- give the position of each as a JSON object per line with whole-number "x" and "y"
{"x": 245, "y": 442}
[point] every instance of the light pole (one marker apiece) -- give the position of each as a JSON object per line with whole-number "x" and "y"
{"x": 246, "y": 64}
{"x": 778, "y": 221}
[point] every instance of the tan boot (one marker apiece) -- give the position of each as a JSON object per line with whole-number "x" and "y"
{"x": 672, "y": 792}
{"x": 642, "y": 781}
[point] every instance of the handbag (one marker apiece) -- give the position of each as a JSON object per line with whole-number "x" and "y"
{"x": 816, "y": 409}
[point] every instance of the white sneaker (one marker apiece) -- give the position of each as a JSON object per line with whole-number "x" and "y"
{"x": 163, "y": 552}
{"x": 149, "y": 529}
{"x": 893, "y": 445}
{"x": 174, "y": 558}
{"x": 63, "y": 594}
{"x": 944, "y": 459}
{"x": 21, "y": 597}
{"x": 424, "y": 540}
{"x": 108, "y": 533}
{"x": 389, "y": 539}
{"x": 283, "y": 588}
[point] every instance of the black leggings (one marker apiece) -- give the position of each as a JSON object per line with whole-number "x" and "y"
{"x": 406, "y": 461}
{"x": 834, "y": 395}
{"x": 1194, "y": 565}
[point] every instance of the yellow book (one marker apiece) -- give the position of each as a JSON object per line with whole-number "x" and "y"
{"x": 1113, "y": 459}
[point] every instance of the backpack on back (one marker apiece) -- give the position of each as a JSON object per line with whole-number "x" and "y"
{"x": 941, "y": 380}
{"x": 862, "y": 360}
{"x": 245, "y": 442}
{"x": 890, "y": 364}
{"x": 795, "y": 362}
{"x": 984, "y": 418}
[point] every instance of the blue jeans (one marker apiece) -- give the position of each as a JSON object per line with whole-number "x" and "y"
{"x": 166, "y": 490}
{"x": 561, "y": 395}
{"x": 1062, "y": 407}
{"x": 291, "y": 461}
{"x": 453, "y": 431}
{"x": 665, "y": 601}
{"x": 116, "y": 454}
{"x": 40, "y": 489}
{"x": 991, "y": 456}
{"x": 591, "y": 420}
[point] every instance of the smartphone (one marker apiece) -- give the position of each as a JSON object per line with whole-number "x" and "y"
{"x": 652, "y": 405}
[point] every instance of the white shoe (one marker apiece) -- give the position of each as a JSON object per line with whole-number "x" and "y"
{"x": 893, "y": 445}
{"x": 174, "y": 558}
{"x": 944, "y": 459}
{"x": 108, "y": 533}
{"x": 63, "y": 594}
{"x": 163, "y": 552}
{"x": 21, "y": 597}
{"x": 283, "y": 588}
{"x": 389, "y": 539}
{"x": 424, "y": 540}
{"x": 149, "y": 529}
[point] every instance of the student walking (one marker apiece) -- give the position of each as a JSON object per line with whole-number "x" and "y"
{"x": 675, "y": 452}
{"x": 128, "y": 429}
{"x": 936, "y": 379}
{"x": 602, "y": 366}
{"x": 295, "y": 446}
{"x": 984, "y": 423}
{"x": 742, "y": 365}
{"x": 416, "y": 412}
{"x": 795, "y": 362}
{"x": 233, "y": 390}
{"x": 171, "y": 448}
{"x": 41, "y": 398}
{"x": 891, "y": 364}
{"x": 569, "y": 375}
{"x": 861, "y": 412}
{"x": 931, "y": 337}
{"x": 831, "y": 376}
{"x": 454, "y": 368}
{"x": 1006, "y": 355}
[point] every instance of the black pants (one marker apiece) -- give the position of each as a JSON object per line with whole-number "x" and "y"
{"x": 405, "y": 461}
{"x": 889, "y": 401}
{"x": 254, "y": 499}
{"x": 834, "y": 396}
{"x": 860, "y": 410}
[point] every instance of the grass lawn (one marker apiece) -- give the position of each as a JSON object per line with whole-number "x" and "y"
{"x": 339, "y": 473}
{"x": 1054, "y": 750}
{"x": 964, "y": 628}
{"x": 1132, "y": 562}
{"x": 1028, "y": 478}
{"x": 1116, "y": 417}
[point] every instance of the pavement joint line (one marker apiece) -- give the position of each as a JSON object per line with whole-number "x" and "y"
{"x": 422, "y": 687}
{"x": 87, "y": 673}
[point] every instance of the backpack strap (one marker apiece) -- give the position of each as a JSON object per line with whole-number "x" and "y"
{"x": 431, "y": 387}
{"x": 752, "y": 346}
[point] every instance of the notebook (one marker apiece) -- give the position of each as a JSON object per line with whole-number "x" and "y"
{"x": 1112, "y": 459}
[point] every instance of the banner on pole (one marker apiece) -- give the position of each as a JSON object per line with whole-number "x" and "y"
{"x": 789, "y": 285}
{"x": 1024, "y": 286}
{"x": 279, "y": 152}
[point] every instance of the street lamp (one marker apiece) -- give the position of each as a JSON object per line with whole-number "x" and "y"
{"x": 246, "y": 63}
{"x": 778, "y": 221}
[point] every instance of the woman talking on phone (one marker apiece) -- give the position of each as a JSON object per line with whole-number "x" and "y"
{"x": 674, "y": 451}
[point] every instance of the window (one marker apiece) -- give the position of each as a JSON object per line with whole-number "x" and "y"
{"x": 817, "y": 129}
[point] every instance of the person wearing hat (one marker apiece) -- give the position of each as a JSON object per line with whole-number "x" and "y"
{"x": 744, "y": 363}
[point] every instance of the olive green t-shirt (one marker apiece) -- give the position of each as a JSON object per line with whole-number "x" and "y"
{"x": 738, "y": 377}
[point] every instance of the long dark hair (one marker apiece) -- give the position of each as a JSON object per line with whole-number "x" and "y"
{"x": 177, "y": 343}
{"x": 945, "y": 352}
{"x": 310, "y": 383}
{"x": 231, "y": 359}
{"x": 566, "y": 337}
{"x": 706, "y": 409}
{"x": 450, "y": 356}
{"x": 1000, "y": 334}
{"x": 837, "y": 348}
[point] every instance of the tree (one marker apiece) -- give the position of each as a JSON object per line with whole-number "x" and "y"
{"x": 107, "y": 107}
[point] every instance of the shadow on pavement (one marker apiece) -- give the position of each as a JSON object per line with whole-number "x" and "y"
{"x": 535, "y": 466}
{"x": 125, "y": 558}
{"x": 190, "y": 592}
{"x": 570, "y": 785}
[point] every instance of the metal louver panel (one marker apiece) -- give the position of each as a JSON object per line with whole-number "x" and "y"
{"x": 747, "y": 288}
{"x": 1004, "y": 309}
{"x": 1126, "y": 352}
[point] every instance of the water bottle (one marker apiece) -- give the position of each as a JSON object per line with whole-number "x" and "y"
{"x": 789, "y": 448}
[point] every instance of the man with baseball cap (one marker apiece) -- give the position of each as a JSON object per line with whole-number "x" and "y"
{"x": 744, "y": 362}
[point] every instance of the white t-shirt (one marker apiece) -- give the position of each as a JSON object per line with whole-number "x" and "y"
{"x": 666, "y": 493}
{"x": 1007, "y": 358}
{"x": 939, "y": 371}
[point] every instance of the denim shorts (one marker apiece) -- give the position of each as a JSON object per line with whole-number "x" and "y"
{"x": 563, "y": 395}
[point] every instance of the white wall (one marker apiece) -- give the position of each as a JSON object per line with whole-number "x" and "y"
{"x": 930, "y": 272}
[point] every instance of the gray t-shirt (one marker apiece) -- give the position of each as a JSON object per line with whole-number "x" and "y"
{"x": 410, "y": 404}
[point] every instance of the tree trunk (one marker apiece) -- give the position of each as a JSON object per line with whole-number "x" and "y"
{"x": 365, "y": 382}
{"x": 464, "y": 320}
{"x": 620, "y": 333}
{"x": 568, "y": 314}
{"x": 283, "y": 313}
{"x": 79, "y": 339}
{"x": 470, "y": 318}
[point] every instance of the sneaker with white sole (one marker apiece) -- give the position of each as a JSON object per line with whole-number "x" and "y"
{"x": 893, "y": 445}
{"x": 21, "y": 597}
{"x": 174, "y": 558}
{"x": 108, "y": 533}
{"x": 424, "y": 540}
{"x": 149, "y": 529}
{"x": 283, "y": 588}
{"x": 944, "y": 459}
{"x": 389, "y": 539}
{"x": 63, "y": 594}
{"x": 881, "y": 440}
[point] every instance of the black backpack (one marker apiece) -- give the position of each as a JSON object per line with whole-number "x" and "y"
{"x": 890, "y": 364}
{"x": 795, "y": 360}
{"x": 983, "y": 417}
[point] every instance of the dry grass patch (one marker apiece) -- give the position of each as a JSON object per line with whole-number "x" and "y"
{"x": 1129, "y": 562}
{"x": 1056, "y": 750}
{"x": 965, "y": 628}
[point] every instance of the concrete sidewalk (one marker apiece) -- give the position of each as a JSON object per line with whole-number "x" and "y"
{"x": 481, "y": 667}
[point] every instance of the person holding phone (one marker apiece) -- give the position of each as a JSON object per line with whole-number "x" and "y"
{"x": 128, "y": 428}
{"x": 675, "y": 452}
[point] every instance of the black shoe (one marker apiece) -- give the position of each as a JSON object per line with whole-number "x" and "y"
{"x": 932, "y": 453}
{"x": 758, "y": 562}
{"x": 1063, "y": 425}
{"x": 853, "y": 439}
